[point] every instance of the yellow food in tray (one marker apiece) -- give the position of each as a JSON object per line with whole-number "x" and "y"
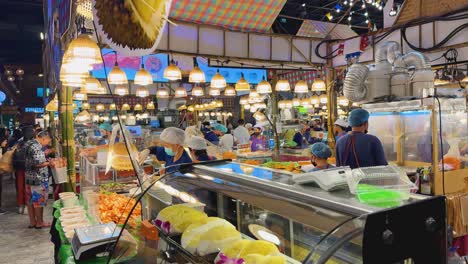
{"x": 259, "y": 259}
{"x": 175, "y": 219}
{"x": 209, "y": 236}
{"x": 288, "y": 166}
{"x": 256, "y": 251}
{"x": 120, "y": 159}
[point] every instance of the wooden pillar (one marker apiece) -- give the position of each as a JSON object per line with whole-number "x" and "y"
{"x": 275, "y": 115}
{"x": 52, "y": 128}
{"x": 66, "y": 123}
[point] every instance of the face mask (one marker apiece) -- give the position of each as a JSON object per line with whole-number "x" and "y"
{"x": 256, "y": 133}
{"x": 365, "y": 131}
{"x": 169, "y": 152}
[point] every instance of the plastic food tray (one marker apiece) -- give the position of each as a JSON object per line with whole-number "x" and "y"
{"x": 381, "y": 186}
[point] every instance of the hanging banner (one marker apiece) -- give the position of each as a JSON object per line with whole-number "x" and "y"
{"x": 132, "y": 28}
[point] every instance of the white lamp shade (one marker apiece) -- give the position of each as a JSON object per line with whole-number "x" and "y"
{"x": 142, "y": 91}
{"x": 288, "y": 104}
{"x": 83, "y": 117}
{"x": 301, "y": 87}
{"x": 112, "y": 106}
{"x": 143, "y": 77}
{"x": 94, "y": 86}
{"x": 323, "y": 98}
{"x": 230, "y": 91}
{"x": 243, "y": 100}
{"x": 296, "y": 102}
{"x": 84, "y": 50}
{"x": 218, "y": 81}
{"x": 162, "y": 93}
{"x": 305, "y": 102}
{"x": 281, "y": 104}
{"x": 100, "y": 108}
{"x": 342, "y": 100}
{"x": 117, "y": 76}
{"x": 319, "y": 85}
{"x": 264, "y": 87}
{"x": 283, "y": 86}
{"x": 214, "y": 92}
{"x": 138, "y": 107}
{"x": 198, "y": 91}
{"x": 172, "y": 72}
{"x": 180, "y": 92}
{"x": 196, "y": 75}
{"x": 150, "y": 106}
{"x": 242, "y": 84}
{"x": 314, "y": 99}
{"x": 121, "y": 90}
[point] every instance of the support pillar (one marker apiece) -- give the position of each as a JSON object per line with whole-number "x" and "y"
{"x": 68, "y": 147}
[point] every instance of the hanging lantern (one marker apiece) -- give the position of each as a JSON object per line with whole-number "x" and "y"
{"x": 305, "y": 102}
{"x": 162, "y": 93}
{"x": 242, "y": 84}
{"x": 229, "y": 91}
{"x": 80, "y": 96}
{"x": 143, "y": 77}
{"x": 218, "y": 81}
{"x": 323, "y": 98}
{"x": 123, "y": 117}
{"x": 121, "y": 90}
{"x": 288, "y": 104}
{"x": 247, "y": 107}
{"x": 316, "y": 105}
{"x": 243, "y": 100}
{"x": 196, "y": 75}
{"x": 283, "y": 86}
{"x": 93, "y": 86}
{"x": 190, "y": 108}
{"x": 112, "y": 106}
{"x": 142, "y": 91}
{"x": 200, "y": 114}
{"x": 84, "y": 50}
{"x": 83, "y": 117}
{"x": 180, "y": 92}
{"x": 75, "y": 67}
{"x": 314, "y": 99}
{"x": 324, "y": 107}
{"x": 214, "y": 92}
{"x": 172, "y": 72}
{"x": 198, "y": 91}
{"x": 115, "y": 118}
{"x": 301, "y": 87}
{"x": 85, "y": 106}
{"x": 342, "y": 100}
{"x": 319, "y": 85}
{"x": 219, "y": 104}
{"x": 72, "y": 79}
{"x": 117, "y": 76}
{"x": 281, "y": 104}
{"x": 100, "y": 108}
{"x": 296, "y": 102}
{"x": 150, "y": 106}
{"x": 264, "y": 87}
{"x": 253, "y": 94}
{"x": 125, "y": 107}
{"x": 138, "y": 107}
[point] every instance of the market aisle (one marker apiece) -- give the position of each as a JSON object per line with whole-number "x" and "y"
{"x": 18, "y": 244}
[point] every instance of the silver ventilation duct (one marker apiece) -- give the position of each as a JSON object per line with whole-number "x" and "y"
{"x": 354, "y": 87}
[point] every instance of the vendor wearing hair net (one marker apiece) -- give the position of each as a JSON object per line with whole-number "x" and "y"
{"x": 170, "y": 149}
{"x": 357, "y": 148}
{"x": 226, "y": 140}
{"x": 320, "y": 154}
{"x": 340, "y": 128}
{"x": 198, "y": 146}
{"x": 106, "y": 131}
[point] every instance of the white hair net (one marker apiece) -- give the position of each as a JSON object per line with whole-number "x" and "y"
{"x": 197, "y": 143}
{"x": 192, "y": 131}
{"x": 248, "y": 125}
{"x": 173, "y": 135}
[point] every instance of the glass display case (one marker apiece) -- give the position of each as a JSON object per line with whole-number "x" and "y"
{"x": 425, "y": 133}
{"x": 305, "y": 223}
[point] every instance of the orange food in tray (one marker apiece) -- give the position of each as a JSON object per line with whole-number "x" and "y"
{"x": 116, "y": 208}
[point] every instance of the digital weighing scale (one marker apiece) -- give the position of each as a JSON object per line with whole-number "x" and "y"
{"x": 327, "y": 179}
{"x": 93, "y": 240}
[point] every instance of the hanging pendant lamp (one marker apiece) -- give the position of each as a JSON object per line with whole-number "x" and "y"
{"x": 218, "y": 81}
{"x": 180, "y": 92}
{"x": 296, "y": 102}
{"x": 100, "y": 108}
{"x": 112, "y": 106}
{"x": 150, "y": 106}
{"x": 80, "y": 96}
{"x": 138, "y": 107}
{"x": 214, "y": 92}
{"x": 301, "y": 87}
{"x": 243, "y": 100}
{"x": 85, "y": 106}
{"x": 125, "y": 107}
{"x": 323, "y": 98}
{"x": 283, "y": 86}
{"x": 94, "y": 86}
{"x": 314, "y": 99}
{"x": 117, "y": 76}
{"x": 84, "y": 50}
{"x": 230, "y": 91}
{"x": 319, "y": 85}
{"x": 162, "y": 93}
{"x": 143, "y": 77}
{"x": 264, "y": 87}
{"x": 198, "y": 91}
{"x": 281, "y": 104}
{"x": 142, "y": 91}
{"x": 242, "y": 84}
{"x": 83, "y": 117}
{"x": 196, "y": 75}
{"x": 121, "y": 90}
{"x": 172, "y": 72}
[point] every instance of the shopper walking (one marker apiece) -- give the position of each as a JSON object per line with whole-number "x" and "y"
{"x": 19, "y": 158}
{"x": 37, "y": 179}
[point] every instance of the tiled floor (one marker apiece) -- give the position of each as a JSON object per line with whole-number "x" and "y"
{"x": 18, "y": 244}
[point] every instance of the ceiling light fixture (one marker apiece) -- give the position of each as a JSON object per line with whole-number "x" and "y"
{"x": 198, "y": 91}
{"x": 162, "y": 93}
{"x": 112, "y": 106}
{"x": 172, "y": 72}
{"x": 117, "y": 76}
{"x": 150, "y": 106}
{"x": 218, "y": 81}
{"x": 264, "y": 87}
{"x": 214, "y": 92}
{"x": 196, "y": 75}
{"x": 283, "y": 86}
{"x": 143, "y": 77}
{"x": 242, "y": 84}
{"x": 230, "y": 91}
{"x": 121, "y": 90}
{"x": 301, "y": 87}
{"x": 180, "y": 92}
{"x": 142, "y": 91}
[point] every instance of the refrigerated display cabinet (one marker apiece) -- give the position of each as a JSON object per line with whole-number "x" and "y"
{"x": 308, "y": 225}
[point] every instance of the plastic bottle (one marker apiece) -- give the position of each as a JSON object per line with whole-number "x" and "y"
{"x": 453, "y": 257}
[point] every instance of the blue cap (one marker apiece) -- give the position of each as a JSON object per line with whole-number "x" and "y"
{"x": 220, "y": 127}
{"x": 321, "y": 150}
{"x": 105, "y": 126}
{"x": 357, "y": 117}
